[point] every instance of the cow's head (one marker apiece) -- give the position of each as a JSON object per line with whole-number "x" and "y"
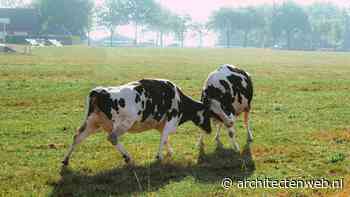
{"x": 202, "y": 118}
{"x": 222, "y": 111}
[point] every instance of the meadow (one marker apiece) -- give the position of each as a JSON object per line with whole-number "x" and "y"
{"x": 300, "y": 119}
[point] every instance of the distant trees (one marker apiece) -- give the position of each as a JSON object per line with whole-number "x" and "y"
{"x": 200, "y": 30}
{"x": 286, "y": 25}
{"x": 114, "y": 13}
{"x": 327, "y": 25}
{"x": 290, "y": 19}
{"x": 180, "y": 26}
{"x": 71, "y": 16}
{"x": 139, "y": 12}
{"x": 249, "y": 20}
{"x": 346, "y": 44}
{"x": 224, "y": 22}
{"x": 160, "y": 23}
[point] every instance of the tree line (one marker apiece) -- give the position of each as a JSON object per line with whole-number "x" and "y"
{"x": 285, "y": 25}
{"x": 78, "y": 17}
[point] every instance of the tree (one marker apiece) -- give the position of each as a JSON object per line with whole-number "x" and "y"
{"x": 288, "y": 20}
{"x": 223, "y": 22}
{"x": 180, "y": 27}
{"x": 139, "y": 12}
{"x": 161, "y": 22}
{"x": 346, "y": 44}
{"x": 90, "y": 24}
{"x": 200, "y": 30}
{"x": 248, "y": 19}
{"x": 263, "y": 31}
{"x": 326, "y": 24}
{"x": 69, "y": 15}
{"x": 113, "y": 14}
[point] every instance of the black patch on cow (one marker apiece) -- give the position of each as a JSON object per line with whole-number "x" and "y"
{"x": 237, "y": 88}
{"x": 102, "y": 99}
{"x": 115, "y": 105}
{"x": 138, "y": 88}
{"x": 209, "y": 93}
{"x": 159, "y": 94}
{"x": 121, "y": 102}
{"x": 225, "y": 85}
{"x": 137, "y": 98}
{"x": 248, "y": 91}
{"x": 139, "y": 113}
{"x": 173, "y": 113}
{"x": 188, "y": 109}
{"x": 224, "y": 98}
{"x": 148, "y": 110}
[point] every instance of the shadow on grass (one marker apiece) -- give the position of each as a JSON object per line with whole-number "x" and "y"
{"x": 210, "y": 168}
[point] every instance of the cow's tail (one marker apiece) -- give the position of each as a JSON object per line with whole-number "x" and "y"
{"x": 89, "y": 108}
{"x": 250, "y": 89}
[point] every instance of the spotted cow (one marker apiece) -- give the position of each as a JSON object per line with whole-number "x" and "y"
{"x": 228, "y": 91}
{"x": 137, "y": 107}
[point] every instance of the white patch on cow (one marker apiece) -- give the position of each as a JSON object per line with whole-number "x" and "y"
{"x": 201, "y": 116}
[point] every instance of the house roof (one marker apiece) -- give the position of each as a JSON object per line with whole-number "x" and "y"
{"x": 21, "y": 19}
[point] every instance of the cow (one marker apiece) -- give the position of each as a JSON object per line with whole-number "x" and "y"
{"x": 228, "y": 91}
{"x": 136, "y": 107}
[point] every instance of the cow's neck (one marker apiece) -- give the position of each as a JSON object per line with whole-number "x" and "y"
{"x": 191, "y": 110}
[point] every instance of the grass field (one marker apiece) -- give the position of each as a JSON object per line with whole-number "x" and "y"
{"x": 300, "y": 118}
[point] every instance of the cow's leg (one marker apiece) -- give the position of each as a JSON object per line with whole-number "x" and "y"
{"x": 247, "y": 126}
{"x": 169, "y": 127}
{"x": 170, "y": 150}
{"x": 200, "y": 140}
{"x": 232, "y": 135}
{"x": 217, "y": 136}
{"x": 88, "y": 127}
{"x": 114, "y": 136}
{"x": 114, "y": 139}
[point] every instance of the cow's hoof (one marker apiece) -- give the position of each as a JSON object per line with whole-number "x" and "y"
{"x": 65, "y": 162}
{"x": 112, "y": 137}
{"x": 159, "y": 158}
{"x": 219, "y": 144}
{"x": 127, "y": 159}
{"x": 170, "y": 154}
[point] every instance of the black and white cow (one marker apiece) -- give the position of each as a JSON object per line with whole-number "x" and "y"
{"x": 136, "y": 107}
{"x": 228, "y": 91}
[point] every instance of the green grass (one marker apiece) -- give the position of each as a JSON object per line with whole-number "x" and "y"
{"x": 300, "y": 117}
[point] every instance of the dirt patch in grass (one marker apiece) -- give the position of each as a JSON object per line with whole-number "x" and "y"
{"x": 49, "y": 146}
{"x": 346, "y": 190}
{"x": 337, "y": 136}
{"x": 262, "y": 151}
{"x": 21, "y": 104}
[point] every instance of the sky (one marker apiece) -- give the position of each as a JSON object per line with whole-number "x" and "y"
{"x": 200, "y": 11}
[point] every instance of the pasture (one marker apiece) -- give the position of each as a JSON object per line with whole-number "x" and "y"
{"x": 300, "y": 119}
